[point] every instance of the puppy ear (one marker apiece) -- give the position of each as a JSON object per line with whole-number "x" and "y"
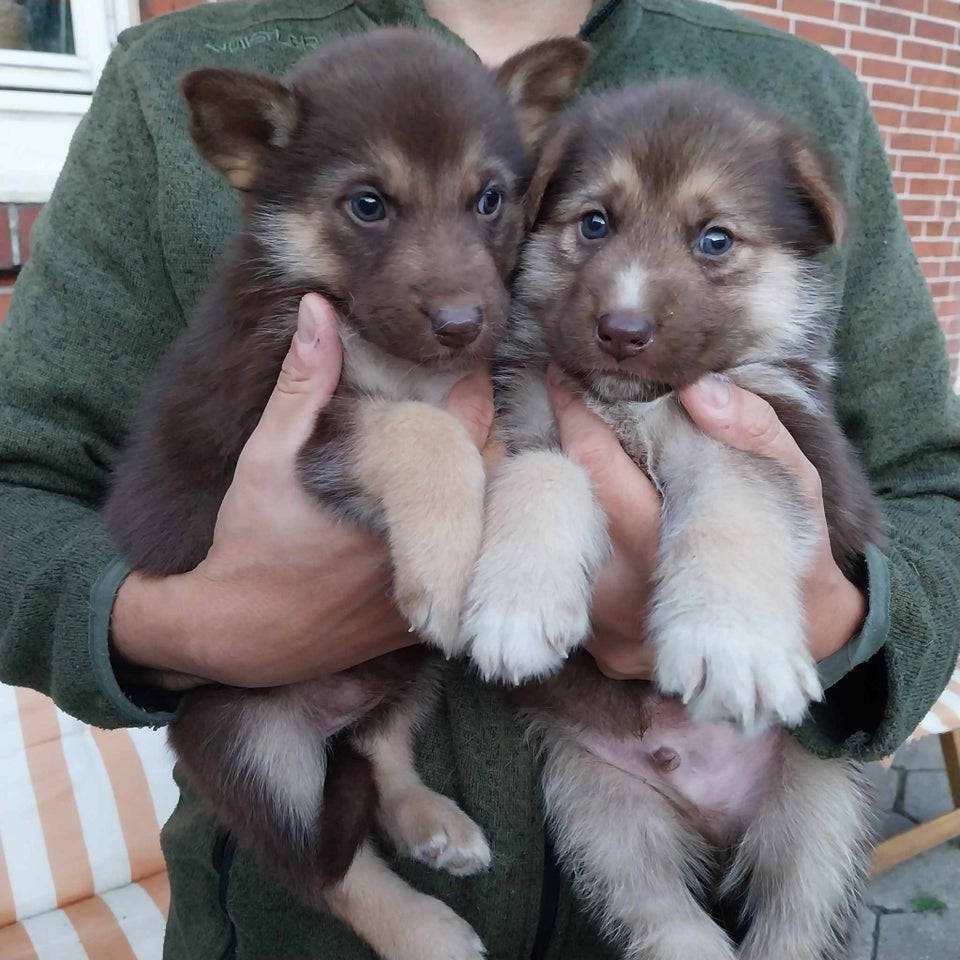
{"x": 548, "y": 163}
{"x": 238, "y": 118}
{"x": 814, "y": 174}
{"x": 540, "y": 80}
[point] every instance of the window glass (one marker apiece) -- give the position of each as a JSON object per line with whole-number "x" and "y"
{"x": 41, "y": 26}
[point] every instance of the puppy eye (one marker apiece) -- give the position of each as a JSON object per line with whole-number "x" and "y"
{"x": 594, "y": 226}
{"x": 367, "y": 207}
{"x": 489, "y": 202}
{"x": 715, "y": 242}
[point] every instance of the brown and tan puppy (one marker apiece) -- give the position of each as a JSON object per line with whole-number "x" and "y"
{"x": 677, "y": 231}
{"x": 385, "y": 172}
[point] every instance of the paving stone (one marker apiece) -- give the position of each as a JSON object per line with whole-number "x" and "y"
{"x": 925, "y": 754}
{"x": 890, "y": 824}
{"x": 861, "y": 943}
{"x": 926, "y": 794}
{"x": 885, "y": 781}
{"x": 919, "y": 936}
{"x": 936, "y": 873}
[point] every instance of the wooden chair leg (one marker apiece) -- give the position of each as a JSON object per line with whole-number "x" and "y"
{"x": 950, "y": 744}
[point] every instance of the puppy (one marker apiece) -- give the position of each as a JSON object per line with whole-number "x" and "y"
{"x": 386, "y": 173}
{"x": 677, "y": 231}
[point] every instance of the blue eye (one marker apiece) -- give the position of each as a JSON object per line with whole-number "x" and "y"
{"x": 594, "y": 226}
{"x": 367, "y": 207}
{"x": 489, "y": 202}
{"x": 715, "y": 242}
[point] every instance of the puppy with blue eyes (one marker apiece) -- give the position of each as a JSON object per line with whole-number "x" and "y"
{"x": 385, "y": 172}
{"x": 677, "y": 230}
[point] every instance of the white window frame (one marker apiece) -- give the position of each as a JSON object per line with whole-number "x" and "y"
{"x": 44, "y": 95}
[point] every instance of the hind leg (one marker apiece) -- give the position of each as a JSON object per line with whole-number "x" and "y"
{"x": 420, "y": 822}
{"x": 633, "y": 858}
{"x": 804, "y": 860}
{"x": 398, "y": 922}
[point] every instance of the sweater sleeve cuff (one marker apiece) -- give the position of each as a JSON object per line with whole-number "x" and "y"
{"x": 873, "y": 634}
{"x": 137, "y": 712}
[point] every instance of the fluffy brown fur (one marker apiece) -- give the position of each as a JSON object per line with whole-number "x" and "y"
{"x": 677, "y": 231}
{"x": 385, "y": 172}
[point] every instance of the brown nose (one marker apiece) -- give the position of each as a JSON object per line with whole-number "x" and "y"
{"x": 457, "y": 326}
{"x": 624, "y": 334}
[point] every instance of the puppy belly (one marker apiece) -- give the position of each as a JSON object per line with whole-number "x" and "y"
{"x": 712, "y": 772}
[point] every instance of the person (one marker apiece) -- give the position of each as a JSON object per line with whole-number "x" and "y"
{"x": 123, "y": 250}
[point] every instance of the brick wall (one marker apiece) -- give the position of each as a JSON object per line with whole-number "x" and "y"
{"x": 907, "y": 55}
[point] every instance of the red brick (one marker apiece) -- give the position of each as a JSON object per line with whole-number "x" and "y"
{"x": 915, "y": 228}
{"x": 915, "y": 142}
{"x": 900, "y": 186}
{"x": 888, "y": 93}
{"x": 927, "y": 52}
{"x": 938, "y": 249}
{"x": 913, "y": 207}
{"x": 873, "y": 43}
{"x": 822, "y": 9}
{"x": 953, "y": 229}
{"x": 27, "y": 215}
{"x": 953, "y": 57}
{"x": 928, "y": 77}
{"x": 946, "y": 144}
{"x": 939, "y": 288}
{"x": 915, "y": 5}
{"x": 911, "y": 164}
{"x": 771, "y": 20}
{"x": 849, "y": 60}
{"x": 948, "y": 209}
{"x": 4, "y": 303}
{"x": 934, "y": 228}
{"x": 885, "y": 20}
{"x": 939, "y": 100}
{"x": 952, "y": 268}
{"x": 929, "y": 187}
{"x": 931, "y": 270}
{"x": 6, "y": 247}
{"x": 888, "y": 117}
{"x": 849, "y": 13}
{"x": 934, "y": 30}
{"x": 157, "y": 8}
{"x": 826, "y": 36}
{"x": 918, "y": 120}
{"x": 944, "y": 9}
{"x": 886, "y": 69}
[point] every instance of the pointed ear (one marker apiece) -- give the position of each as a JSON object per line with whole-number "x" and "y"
{"x": 238, "y": 118}
{"x": 540, "y": 80}
{"x": 548, "y": 163}
{"x": 814, "y": 175}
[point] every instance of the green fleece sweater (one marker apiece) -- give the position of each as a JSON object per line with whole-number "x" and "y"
{"x": 122, "y": 252}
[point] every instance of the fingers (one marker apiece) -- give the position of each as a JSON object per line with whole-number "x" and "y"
{"x": 621, "y": 660}
{"x": 307, "y": 381}
{"x": 471, "y": 402}
{"x": 627, "y": 496}
{"x": 743, "y": 420}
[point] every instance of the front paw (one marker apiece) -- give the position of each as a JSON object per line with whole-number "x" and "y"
{"x": 729, "y": 667}
{"x": 433, "y": 612}
{"x": 520, "y": 628}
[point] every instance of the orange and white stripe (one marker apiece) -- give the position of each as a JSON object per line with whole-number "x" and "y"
{"x": 81, "y": 871}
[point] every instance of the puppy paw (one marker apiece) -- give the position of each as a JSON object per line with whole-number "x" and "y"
{"x": 430, "y": 930}
{"x": 432, "y": 829}
{"x": 433, "y": 612}
{"x": 733, "y": 669}
{"x": 519, "y": 629}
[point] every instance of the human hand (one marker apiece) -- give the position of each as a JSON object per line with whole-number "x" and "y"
{"x": 835, "y": 608}
{"x": 286, "y": 593}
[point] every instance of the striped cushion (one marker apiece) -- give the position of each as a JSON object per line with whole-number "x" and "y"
{"x": 80, "y": 815}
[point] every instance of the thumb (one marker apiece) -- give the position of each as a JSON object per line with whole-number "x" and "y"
{"x": 623, "y": 490}
{"x": 308, "y": 378}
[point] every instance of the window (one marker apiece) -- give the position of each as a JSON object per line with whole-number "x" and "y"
{"x": 51, "y": 54}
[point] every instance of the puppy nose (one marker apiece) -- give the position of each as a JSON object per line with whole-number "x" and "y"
{"x": 623, "y": 334}
{"x": 457, "y": 326}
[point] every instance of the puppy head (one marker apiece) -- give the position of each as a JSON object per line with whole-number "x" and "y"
{"x": 386, "y": 172}
{"x": 676, "y": 231}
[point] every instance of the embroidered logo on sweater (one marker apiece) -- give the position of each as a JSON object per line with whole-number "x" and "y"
{"x": 296, "y": 41}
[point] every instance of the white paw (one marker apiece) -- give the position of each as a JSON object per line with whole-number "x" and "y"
{"x": 432, "y": 931}
{"x": 434, "y": 613}
{"x": 729, "y": 668}
{"x": 520, "y": 628}
{"x": 433, "y": 829}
